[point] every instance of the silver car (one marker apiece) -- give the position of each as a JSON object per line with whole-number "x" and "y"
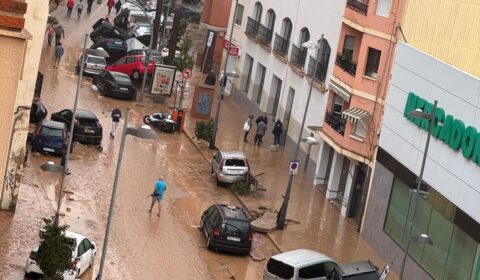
{"x": 229, "y": 166}
{"x": 94, "y": 65}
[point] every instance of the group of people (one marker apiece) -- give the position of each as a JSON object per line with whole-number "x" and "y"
{"x": 262, "y": 125}
{"x": 110, "y": 4}
{"x": 57, "y": 31}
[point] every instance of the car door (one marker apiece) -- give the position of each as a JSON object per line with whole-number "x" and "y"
{"x": 101, "y": 81}
{"x": 130, "y": 65}
{"x": 80, "y": 258}
{"x": 217, "y": 158}
{"x": 205, "y": 218}
{"x": 119, "y": 65}
{"x": 86, "y": 251}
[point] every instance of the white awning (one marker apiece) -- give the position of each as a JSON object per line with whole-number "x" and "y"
{"x": 339, "y": 90}
{"x": 354, "y": 114}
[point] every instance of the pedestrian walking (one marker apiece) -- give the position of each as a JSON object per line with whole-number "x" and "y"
{"x": 118, "y": 6}
{"x": 79, "y": 8}
{"x": 247, "y": 126}
{"x": 277, "y": 131}
{"x": 261, "y": 128}
{"x": 89, "y": 6}
{"x": 157, "y": 195}
{"x": 59, "y": 32}
{"x": 70, "y": 4}
{"x": 58, "y": 54}
{"x": 50, "y": 33}
{"x": 110, "y": 4}
{"x": 263, "y": 118}
{"x": 116, "y": 115}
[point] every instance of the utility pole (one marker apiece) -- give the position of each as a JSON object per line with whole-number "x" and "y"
{"x": 156, "y": 24}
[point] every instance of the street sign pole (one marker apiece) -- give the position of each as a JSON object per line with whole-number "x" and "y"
{"x": 209, "y": 44}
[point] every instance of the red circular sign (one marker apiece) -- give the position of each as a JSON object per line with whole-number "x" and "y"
{"x": 187, "y": 73}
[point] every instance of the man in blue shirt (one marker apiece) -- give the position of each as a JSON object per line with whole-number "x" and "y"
{"x": 157, "y": 195}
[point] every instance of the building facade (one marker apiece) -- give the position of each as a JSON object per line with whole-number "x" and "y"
{"x": 446, "y": 208}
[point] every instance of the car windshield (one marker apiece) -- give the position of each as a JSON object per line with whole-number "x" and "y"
{"x": 365, "y": 276}
{"x": 280, "y": 269}
{"x": 121, "y": 79}
{"x": 235, "y": 162}
{"x": 237, "y": 225}
{"x": 47, "y": 131}
{"x": 96, "y": 60}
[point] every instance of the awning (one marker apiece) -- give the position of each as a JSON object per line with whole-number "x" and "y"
{"x": 354, "y": 114}
{"x": 339, "y": 90}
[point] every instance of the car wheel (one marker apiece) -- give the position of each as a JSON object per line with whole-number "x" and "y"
{"x": 219, "y": 184}
{"x": 136, "y": 75}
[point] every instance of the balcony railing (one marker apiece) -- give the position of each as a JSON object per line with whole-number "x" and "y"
{"x": 252, "y": 27}
{"x": 321, "y": 71}
{"x": 265, "y": 34}
{"x": 336, "y": 122}
{"x": 280, "y": 45}
{"x": 346, "y": 64}
{"x": 358, "y": 5}
{"x": 299, "y": 55}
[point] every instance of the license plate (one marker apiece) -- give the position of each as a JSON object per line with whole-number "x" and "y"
{"x": 89, "y": 131}
{"x": 122, "y": 88}
{"x": 231, "y": 238}
{"x": 48, "y": 150}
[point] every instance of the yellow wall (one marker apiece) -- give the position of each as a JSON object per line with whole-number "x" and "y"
{"x": 446, "y": 29}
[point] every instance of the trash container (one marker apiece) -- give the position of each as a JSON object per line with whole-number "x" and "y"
{"x": 179, "y": 117}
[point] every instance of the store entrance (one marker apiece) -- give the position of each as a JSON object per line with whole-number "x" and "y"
{"x": 354, "y": 210}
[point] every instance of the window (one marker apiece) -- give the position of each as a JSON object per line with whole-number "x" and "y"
{"x": 373, "y": 60}
{"x": 383, "y": 7}
{"x": 337, "y": 107}
{"x": 348, "y": 46}
{"x": 239, "y": 15}
{"x": 280, "y": 269}
{"x": 88, "y": 244}
{"x": 360, "y": 128}
{"x": 121, "y": 60}
{"x": 316, "y": 271}
{"x": 130, "y": 60}
{"x": 257, "y": 12}
{"x": 81, "y": 249}
{"x": 248, "y": 65}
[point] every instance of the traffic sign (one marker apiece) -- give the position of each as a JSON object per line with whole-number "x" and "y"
{"x": 187, "y": 73}
{"x": 210, "y": 38}
{"x": 293, "y": 167}
{"x": 385, "y": 272}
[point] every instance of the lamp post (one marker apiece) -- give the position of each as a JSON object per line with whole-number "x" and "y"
{"x": 142, "y": 132}
{"x": 411, "y": 216}
{"x": 282, "y": 214}
{"x": 222, "y": 83}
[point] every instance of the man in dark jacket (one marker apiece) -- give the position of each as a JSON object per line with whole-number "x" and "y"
{"x": 116, "y": 115}
{"x": 277, "y": 131}
{"x": 89, "y": 5}
{"x": 263, "y": 118}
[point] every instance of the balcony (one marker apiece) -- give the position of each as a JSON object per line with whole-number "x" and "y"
{"x": 252, "y": 27}
{"x": 265, "y": 34}
{"x": 358, "y": 5}
{"x": 336, "y": 122}
{"x": 280, "y": 45}
{"x": 298, "y": 57}
{"x": 345, "y": 62}
{"x": 321, "y": 71}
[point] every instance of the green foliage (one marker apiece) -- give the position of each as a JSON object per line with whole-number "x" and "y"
{"x": 183, "y": 26}
{"x": 52, "y": 19}
{"x": 240, "y": 188}
{"x": 184, "y": 59}
{"x": 194, "y": 17}
{"x": 203, "y": 130}
{"x": 54, "y": 253}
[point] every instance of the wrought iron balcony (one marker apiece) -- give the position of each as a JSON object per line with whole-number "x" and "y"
{"x": 280, "y": 45}
{"x": 346, "y": 64}
{"x": 299, "y": 55}
{"x": 321, "y": 71}
{"x": 336, "y": 122}
{"x": 265, "y": 34}
{"x": 252, "y": 27}
{"x": 358, "y": 5}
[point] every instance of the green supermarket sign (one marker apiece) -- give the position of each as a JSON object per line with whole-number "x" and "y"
{"x": 453, "y": 132}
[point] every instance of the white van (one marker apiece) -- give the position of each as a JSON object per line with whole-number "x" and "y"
{"x": 299, "y": 264}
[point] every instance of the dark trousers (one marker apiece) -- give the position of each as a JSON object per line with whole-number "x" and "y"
{"x": 79, "y": 12}
{"x": 117, "y": 11}
{"x": 258, "y": 139}
{"x": 50, "y": 37}
{"x": 109, "y": 10}
{"x": 245, "y": 135}
{"x": 89, "y": 6}
{"x": 57, "y": 39}
{"x": 276, "y": 139}
{"x": 69, "y": 12}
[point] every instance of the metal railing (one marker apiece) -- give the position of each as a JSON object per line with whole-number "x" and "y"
{"x": 280, "y": 45}
{"x": 252, "y": 27}
{"x": 321, "y": 72}
{"x": 358, "y": 5}
{"x": 264, "y": 34}
{"x": 346, "y": 64}
{"x": 299, "y": 55}
{"x": 336, "y": 122}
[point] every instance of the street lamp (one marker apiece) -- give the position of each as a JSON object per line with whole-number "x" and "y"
{"x": 282, "y": 214}
{"x": 223, "y": 82}
{"x": 143, "y": 132}
{"x": 430, "y": 117}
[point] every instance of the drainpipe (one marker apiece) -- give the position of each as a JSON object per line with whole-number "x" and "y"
{"x": 12, "y": 132}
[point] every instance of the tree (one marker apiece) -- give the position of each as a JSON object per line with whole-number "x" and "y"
{"x": 184, "y": 59}
{"x": 54, "y": 254}
{"x": 203, "y": 130}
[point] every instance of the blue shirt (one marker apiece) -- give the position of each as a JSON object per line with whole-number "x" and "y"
{"x": 160, "y": 187}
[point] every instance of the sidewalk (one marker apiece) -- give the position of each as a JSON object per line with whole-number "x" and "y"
{"x": 321, "y": 226}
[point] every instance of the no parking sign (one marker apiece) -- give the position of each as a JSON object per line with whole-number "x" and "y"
{"x": 293, "y": 167}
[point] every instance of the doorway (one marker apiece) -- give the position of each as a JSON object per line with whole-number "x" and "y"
{"x": 286, "y": 116}
{"x": 230, "y": 68}
{"x": 343, "y": 178}
{"x": 354, "y": 209}
{"x": 276, "y": 89}
{"x": 261, "y": 81}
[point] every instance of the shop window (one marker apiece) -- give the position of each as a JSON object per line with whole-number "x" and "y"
{"x": 397, "y": 210}
{"x": 383, "y": 8}
{"x": 239, "y": 15}
{"x": 373, "y": 61}
{"x": 461, "y": 255}
{"x": 360, "y": 128}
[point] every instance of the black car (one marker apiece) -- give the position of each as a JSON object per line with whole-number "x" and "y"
{"x": 227, "y": 228}
{"x": 38, "y": 111}
{"x": 107, "y": 30}
{"x": 87, "y": 129}
{"x": 363, "y": 270}
{"x": 115, "y": 84}
{"x": 50, "y": 137}
{"x": 116, "y": 48}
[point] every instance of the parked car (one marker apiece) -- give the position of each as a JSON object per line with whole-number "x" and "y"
{"x": 115, "y": 84}
{"x": 363, "y": 270}
{"x": 116, "y": 48}
{"x": 230, "y": 166}
{"x": 132, "y": 65}
{"x": 155, "y": 55}
{"x": 94, "y": 65}
{"x": 107, "y": 30}
{"x": 83, "y": 256}
{"x": 299, "y": 264}
{"x": 50, "y": 137}
{"x": 87, "y": 128}
{"x": 227, "y": 228}
{"x": 98, "y": 23}
{"x": 38, "y": 111}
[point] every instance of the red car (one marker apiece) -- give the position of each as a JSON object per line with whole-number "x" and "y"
{"x": 132, "y": 65}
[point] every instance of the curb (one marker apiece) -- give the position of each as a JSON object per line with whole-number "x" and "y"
{"x": 195, "y": 144}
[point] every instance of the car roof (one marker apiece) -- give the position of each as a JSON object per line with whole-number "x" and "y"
{"x": 302, "y": 257}
{"x": 233, "y": 154}
{"x": 74, "y": 235}
{"x": 120, "y": 76}
{"x": 52, "y": 124}
{"x": 233, "y": 212}
{"x": 356, "y": 268}
{"x": 84, "y": 114}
